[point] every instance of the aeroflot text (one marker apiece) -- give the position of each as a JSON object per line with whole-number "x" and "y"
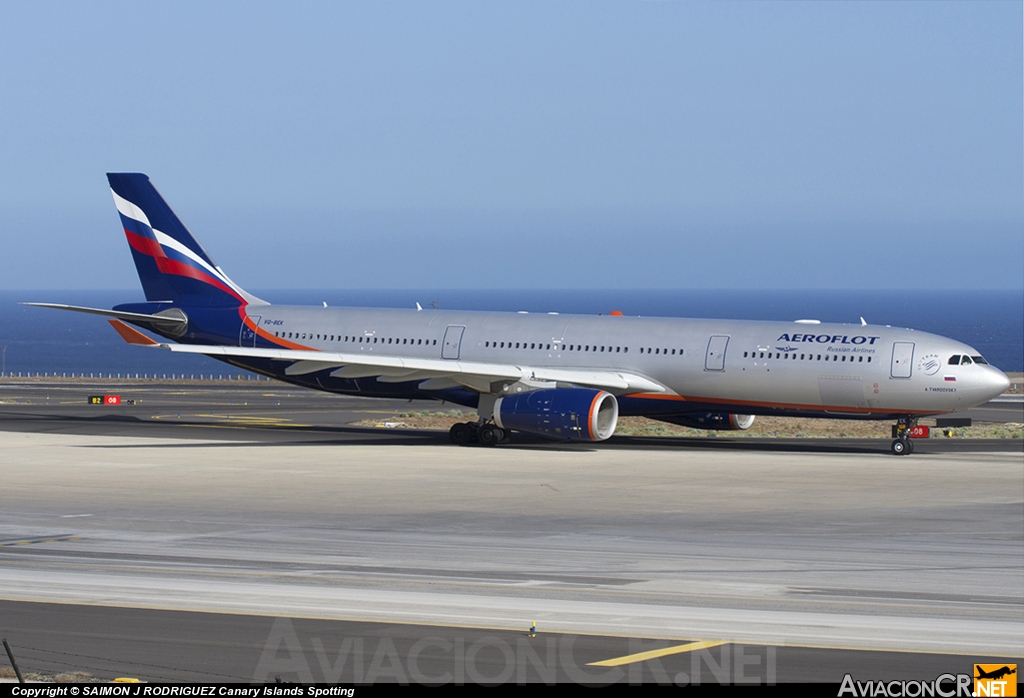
{"x": 827, "y": 338}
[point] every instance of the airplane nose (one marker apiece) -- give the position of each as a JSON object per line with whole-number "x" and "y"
{"x": 998, "y": 382}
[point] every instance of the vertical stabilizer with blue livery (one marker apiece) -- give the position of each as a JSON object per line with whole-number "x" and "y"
{"x": 173, "y": 267}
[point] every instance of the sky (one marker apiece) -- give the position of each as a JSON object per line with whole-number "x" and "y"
{"x": 763, "y": 145}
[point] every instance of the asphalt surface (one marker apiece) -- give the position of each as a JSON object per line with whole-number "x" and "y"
{"x": 155, "y": 645}
{"x": 226, "y": 532}
{"x": 271, "y": 412}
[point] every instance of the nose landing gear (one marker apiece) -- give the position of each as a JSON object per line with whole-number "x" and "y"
{"x": 902, "y": 445}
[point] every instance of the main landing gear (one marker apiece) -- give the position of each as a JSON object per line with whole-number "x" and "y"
{"x": 903, "y": 445}
{"x": 465, "y": 433}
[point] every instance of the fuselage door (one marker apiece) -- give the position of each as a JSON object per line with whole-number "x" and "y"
{"x": 902, "y": 359}
{"x": 452, "y": 341}
{"x": 715, "y": 358}
{"x": 247, "y": 335}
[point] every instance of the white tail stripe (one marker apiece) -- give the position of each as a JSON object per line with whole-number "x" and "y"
{"x": 130, "y": 210}
{"x": 127, "y": 208}
{"x": 166, "y": 240}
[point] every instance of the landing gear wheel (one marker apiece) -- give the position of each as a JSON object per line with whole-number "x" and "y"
{"x": 490, "y": 435}
{"x": 910, "y": 446}
{"x": 901, "y": 447}
{"x": 460, "y": 434}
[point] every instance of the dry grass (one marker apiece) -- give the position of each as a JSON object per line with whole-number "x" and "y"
{"x": 72, "y": 677}
{"x": 63, "y": 677}
{"x": 426, "y": 419}
{"x": 798, "y": 428}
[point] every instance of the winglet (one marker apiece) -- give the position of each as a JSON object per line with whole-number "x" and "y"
{"x": 131, "y": 335}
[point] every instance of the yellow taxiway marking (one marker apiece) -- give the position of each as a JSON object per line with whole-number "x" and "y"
{"x": 230, "y": 421}
{"x": 240, "y": 424}
{"x": 654, "y": 654}
{"x": 262, "y": 613}
{"x": 225, "y": 416}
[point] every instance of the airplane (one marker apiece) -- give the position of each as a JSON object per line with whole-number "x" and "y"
{"x": 566, "y": 377}
{"x": 995, "y": 674}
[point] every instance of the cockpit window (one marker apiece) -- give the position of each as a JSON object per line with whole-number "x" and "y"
{"x": 954, "y": 360}
{"x": 964, "y": 360}
{"x": 979, "y": 360}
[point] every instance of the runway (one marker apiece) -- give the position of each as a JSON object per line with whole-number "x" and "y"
{"x": 830, "y": 546}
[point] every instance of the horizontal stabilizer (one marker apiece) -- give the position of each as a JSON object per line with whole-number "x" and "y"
{"x": 130, "y": 317}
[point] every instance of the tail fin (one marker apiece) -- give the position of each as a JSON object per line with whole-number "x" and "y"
{"x": 173, "y": 267}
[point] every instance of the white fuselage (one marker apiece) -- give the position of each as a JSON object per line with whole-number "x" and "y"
{"x": 748, "y": 367}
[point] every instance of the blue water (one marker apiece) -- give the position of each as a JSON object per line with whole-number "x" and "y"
{"x": 50, "y": 341}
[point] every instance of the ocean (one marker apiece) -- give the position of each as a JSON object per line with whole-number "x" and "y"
{"x": 43, "y": 341}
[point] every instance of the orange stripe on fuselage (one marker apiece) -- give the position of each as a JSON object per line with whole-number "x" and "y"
{"x": 283, "y": 343}
{"x": 779, "y": 405}
{"x": 656, "y": 396}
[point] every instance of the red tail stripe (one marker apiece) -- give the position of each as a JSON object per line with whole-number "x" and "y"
{"x": 167, "y": 265}
{"x": 143, "y": 244}
{"x": 173, "y": 266}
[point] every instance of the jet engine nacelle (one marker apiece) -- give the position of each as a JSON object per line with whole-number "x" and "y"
{"x": 712, "y": 420}
{"x": 575, "y": 414}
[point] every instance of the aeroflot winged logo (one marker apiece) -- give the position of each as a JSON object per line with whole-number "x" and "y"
{"x": 827, "y": 338}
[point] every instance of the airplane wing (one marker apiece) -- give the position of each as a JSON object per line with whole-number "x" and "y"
{"x": 437, "y": 374}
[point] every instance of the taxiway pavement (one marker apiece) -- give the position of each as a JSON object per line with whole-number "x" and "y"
{"x": 833, "y": 546}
